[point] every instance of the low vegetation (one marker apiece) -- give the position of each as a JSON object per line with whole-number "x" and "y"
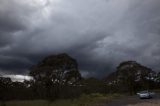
{"x": 94, "y": 99}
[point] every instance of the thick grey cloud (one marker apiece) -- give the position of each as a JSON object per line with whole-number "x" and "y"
{"x": 98, "y": 33}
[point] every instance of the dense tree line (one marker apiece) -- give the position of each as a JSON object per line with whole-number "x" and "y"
{"x": 57, "y": 76}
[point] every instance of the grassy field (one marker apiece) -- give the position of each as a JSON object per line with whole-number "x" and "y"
{"x": 84, "y": 100}
{"x": 153, "y": 103}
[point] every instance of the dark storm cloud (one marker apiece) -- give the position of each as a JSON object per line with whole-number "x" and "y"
{"x": 98, "y": 33}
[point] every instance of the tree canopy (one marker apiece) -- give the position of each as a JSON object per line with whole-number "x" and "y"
{"x": 60, "y": 68}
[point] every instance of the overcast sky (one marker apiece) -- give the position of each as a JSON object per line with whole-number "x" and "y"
{"x": 98, "y": 33}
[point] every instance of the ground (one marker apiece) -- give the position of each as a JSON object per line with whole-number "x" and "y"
{"x": 92, "y": 100}
{"x": 153, "y": 103}
{"x": 134, "y": 101}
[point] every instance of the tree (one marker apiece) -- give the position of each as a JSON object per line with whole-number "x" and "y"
{"x": 131, "y": 73}
{"x": 55, "y": 71}
{"x": 131, "y": 76}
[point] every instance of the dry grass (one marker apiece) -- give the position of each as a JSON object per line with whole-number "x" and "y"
{"x": 151, "y": 103}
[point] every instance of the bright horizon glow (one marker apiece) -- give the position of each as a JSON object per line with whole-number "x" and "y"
{"x": 18, "y": 78}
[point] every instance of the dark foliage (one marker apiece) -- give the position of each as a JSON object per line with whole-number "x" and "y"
{"x": 57, "y": 77}
{"x": 131, "y": 77}
{"x": 53, "y": 74}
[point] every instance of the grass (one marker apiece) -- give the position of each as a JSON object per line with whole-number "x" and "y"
{"x": 84, "y": 100}
{"x": 153, "y": 103}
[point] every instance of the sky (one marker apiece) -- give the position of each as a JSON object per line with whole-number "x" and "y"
{"x": 99, "y": 34}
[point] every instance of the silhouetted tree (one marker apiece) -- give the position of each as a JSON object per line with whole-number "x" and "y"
{"x": 131, "y": 76}
{"x": 54, "y": 72}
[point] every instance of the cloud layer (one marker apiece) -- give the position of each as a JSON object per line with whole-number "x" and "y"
{"x": 98, "y": 33}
